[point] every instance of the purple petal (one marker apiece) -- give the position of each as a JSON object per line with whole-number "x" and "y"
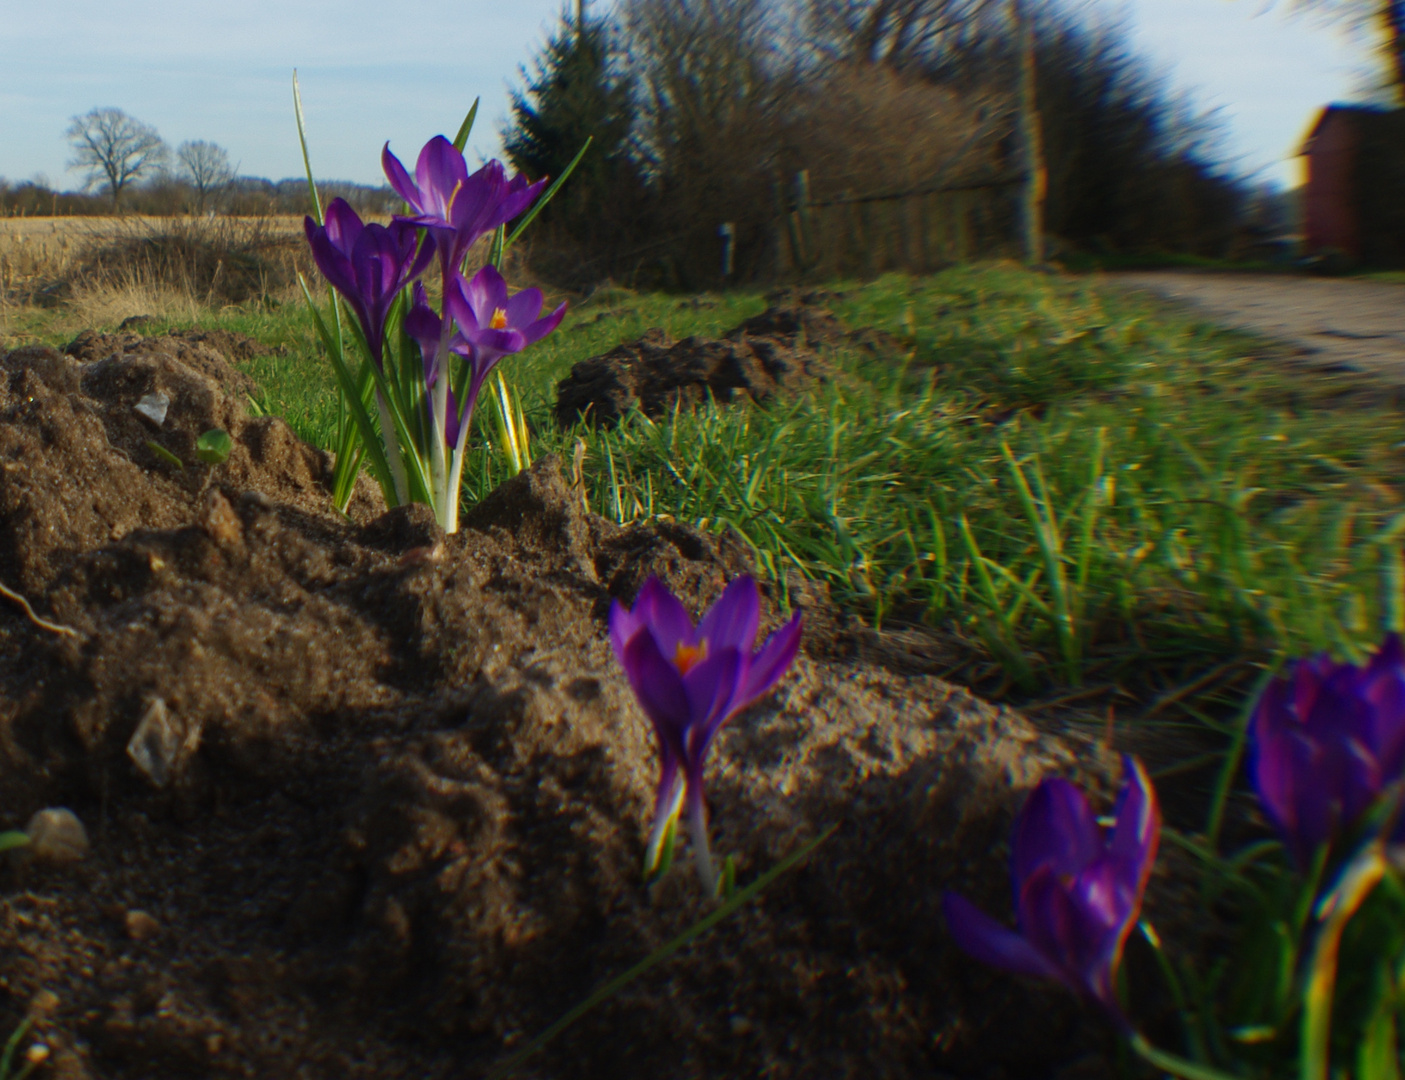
{"x": 477, "y": 203}
{"x": 495, "y": 344}
{"x": 733, "y": 620}
{"x": 711, "y": 685}
{"x": 539, "y": 329}
{"x": 659, "y": 688}
{"x": 486, "y": 293}
{"x": 523, "y": 307}
{"x": 1353, "y": 773}
{"x": 1075, "y": 935}
{"x": 344, "y": 225}
{"x": 422, "y": 324}
{"x": 666, "y": 617}
{"x": 1271, "y": 733}
{"x": 986, "y": 940}
{"x": 772, "y": 661}
{"x": 331, "y": 260}
{"x": 407, "y": 234}
{"x": 1285, "y": 765}
{"x": 1056, "y": 828}
{"x": 624, "y": 624}
{"x": 1106, "y": 895}
{"x": 439, "y": 172}
{"x": 458, "y": 305}
{"x": 452, "y": 421}
{"x": 1340, "y": 709}
{"x": 1105, "y": 908}
{"x": 1314, "y": 812}
{"x": 518, "y": 197}
{"x": 399, "y": 178}
{"x": 1306, "y": 679}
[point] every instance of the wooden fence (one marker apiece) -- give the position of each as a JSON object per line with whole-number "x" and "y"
{"x": 919, "y": 230}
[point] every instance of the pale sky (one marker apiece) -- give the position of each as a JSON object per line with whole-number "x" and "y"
{"x": 1266, "y": 72}
{"x": 404, "y": 71}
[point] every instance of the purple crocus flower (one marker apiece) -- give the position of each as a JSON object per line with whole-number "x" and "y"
{"x": 1078, "y": 892}
{"x": 484, "y": 325}
{"x": 456, "y": 207}
{"x": 1325, "y": 742}
{"x": 493, "y": 323}
{"x": 689, "y": 681}
{"x": 367, "y": 264}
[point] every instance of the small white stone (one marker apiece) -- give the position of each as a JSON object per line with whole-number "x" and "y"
{"x": 154, "y": 407}
{"x": 161, "y": 742}
{"x": 56, "y": 835}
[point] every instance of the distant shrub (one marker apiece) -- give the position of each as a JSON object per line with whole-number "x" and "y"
{"x": 213, "y": 261}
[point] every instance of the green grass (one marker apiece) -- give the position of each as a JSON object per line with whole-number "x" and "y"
{"x": 1090, "y": 493}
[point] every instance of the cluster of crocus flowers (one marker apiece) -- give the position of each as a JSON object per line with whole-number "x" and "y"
{"x": 1327, "y": 741}
{"x": 1327, "y": 759}
{"x": 689, "y": 680}
{"x": 424, "y": 413}
{"x": 1078, "y": 889}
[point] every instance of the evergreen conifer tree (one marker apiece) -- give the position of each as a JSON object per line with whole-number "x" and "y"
{"x": 575, "y": 93}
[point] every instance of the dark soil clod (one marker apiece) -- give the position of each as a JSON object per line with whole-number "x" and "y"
{"x": 781, "y": 352}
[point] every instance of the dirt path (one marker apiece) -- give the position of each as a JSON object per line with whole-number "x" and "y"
{"x": 1357, "y": 324}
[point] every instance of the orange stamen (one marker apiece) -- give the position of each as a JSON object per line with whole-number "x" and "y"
{"x": 685, "y": 657}
{"x": 499, "y": 319}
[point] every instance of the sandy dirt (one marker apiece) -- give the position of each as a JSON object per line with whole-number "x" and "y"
{"x": 1359, "y": 325}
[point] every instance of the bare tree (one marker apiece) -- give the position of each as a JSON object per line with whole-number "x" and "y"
{"x": 898, "y": 33}
{"x": 710, "y": 82}
{"x": 1385, "y": 18}
{"x": 712, "y": 88}
{"x": 205, "y": 167}
{"x": 114, "y": 149}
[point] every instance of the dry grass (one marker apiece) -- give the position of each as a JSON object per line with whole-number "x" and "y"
{"x": 96, "y": 271}
{"x": 47, "y": 248}
{"x": 60, "y": 275}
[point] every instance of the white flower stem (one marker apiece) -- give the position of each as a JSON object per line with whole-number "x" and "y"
{"x": 702, "y": 853}
{"x": 438, "y": 437}
{"x": 392, "y": 449}
{"x": 455, "y": 483}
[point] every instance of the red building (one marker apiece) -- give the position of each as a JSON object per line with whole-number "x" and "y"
{"x": 1356, "y": 185}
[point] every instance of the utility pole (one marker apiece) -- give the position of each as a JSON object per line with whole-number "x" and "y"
{"x": 1031, "y": 140}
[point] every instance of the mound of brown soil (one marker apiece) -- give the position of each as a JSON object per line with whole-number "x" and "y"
{"x": 369, "y": 801}
{"x": 779, "y": 352}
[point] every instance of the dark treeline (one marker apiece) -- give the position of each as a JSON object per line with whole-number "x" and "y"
{"x": 165, "y": 196}
{"x": 704, "y": 111}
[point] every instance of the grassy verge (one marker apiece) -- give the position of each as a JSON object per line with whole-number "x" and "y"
{"x": 1097, "y": 498}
